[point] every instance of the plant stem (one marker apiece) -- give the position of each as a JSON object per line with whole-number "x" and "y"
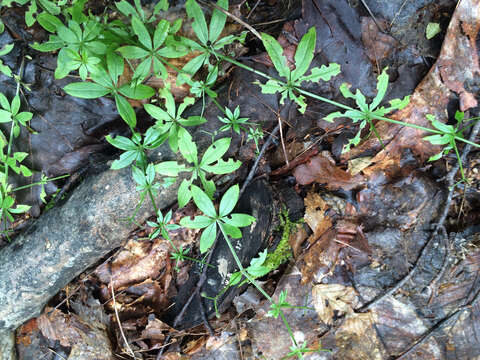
{"x": 40, "y": 182}
{"x": 254, "y": 283}
{"x": 335, "y": 103}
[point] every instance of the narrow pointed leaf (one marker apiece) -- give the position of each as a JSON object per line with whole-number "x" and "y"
{"x": 304, "y": 53}
{"x": 203, "y": 202}
{"x": 217, "y": 23}
{"x": 382, "y": 84}
{"x": 229, "y": 200}
{"x": 275, "y": 51}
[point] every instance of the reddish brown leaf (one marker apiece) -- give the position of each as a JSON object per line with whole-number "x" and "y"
{"x": 322, "y": 170}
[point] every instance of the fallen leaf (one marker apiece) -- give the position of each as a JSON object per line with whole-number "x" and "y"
{"x": 378, "y": 45}
{"x": 320, "y": 169}
{"x": 332, "y": 300}
{"x": 357, "y": 339}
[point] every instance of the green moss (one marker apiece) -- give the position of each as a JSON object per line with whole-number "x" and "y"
{"x": 283, "y": 251}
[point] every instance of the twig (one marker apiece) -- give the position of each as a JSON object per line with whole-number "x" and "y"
{"x": 119, "y": 323}
{"x": 398, "y": 13}
{"x": 196, "y": 292}
{"x": 433, "y": 284}
{"x": 439, "y": 325}
{"x": 450, "y": 181}
{"x": 237, "y": 19}
{"x": 204, "y": 316}
{"x": 251, "y": 174}
{"x": 373, "y": 16}
{"x": 253, "y": 9}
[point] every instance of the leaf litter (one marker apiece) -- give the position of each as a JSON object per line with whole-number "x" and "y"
{"x": 360, "y": 241}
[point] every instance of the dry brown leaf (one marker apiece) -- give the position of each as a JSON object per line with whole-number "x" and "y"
{"x": 378, "y": 45}
{"x": 320, "y": 169}
{"x": 315, "y": 217}
{"x": 86, "y": 341}
{"x": 155, "y": 329}
{"x": 357, "y": 339}
{"x": 333, "y": 299}
{"x": 140, "y": 260}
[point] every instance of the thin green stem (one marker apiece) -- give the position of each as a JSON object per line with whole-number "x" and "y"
{"x": 459, "y": 159}
{"x": 335, "y": 103}
{"x": 40, "y": 182}
{"x": 254, "y": 283}
{"x": 240, "y": 266}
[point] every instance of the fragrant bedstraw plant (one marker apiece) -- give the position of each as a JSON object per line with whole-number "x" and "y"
{"x": 97, "y": 48}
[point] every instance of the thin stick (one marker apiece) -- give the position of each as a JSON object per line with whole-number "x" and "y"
{"x": 237, "y": 19}
{"x": 251, "y": 174}
{"x": 439, "y": 325}
{"x": 450, "y": 181}
{"x": 118, "y": 321}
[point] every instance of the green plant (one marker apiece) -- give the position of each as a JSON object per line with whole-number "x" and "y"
{"x": 211, "y": 220}
{"x": 209, "y": 37}
{"x": 170, "y": 121}
{"x": 448, "y": 137}
{"x": 294, "y": 79}
{"x": 99, "y": 48}
{"x": 367, "y": 112}
{"x": 211, "y": 162}
{"x": 233, "y": 121}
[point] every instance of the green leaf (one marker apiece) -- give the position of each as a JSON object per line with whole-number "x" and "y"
{"x": 275, "y": 51}
{"x": 229, "y": 200}
{"x": 438, "y": 139}
{"x": 30, "y": 14}
{"x": 141, "y": 31}
{"x": 50, "y": 6}
{"x": 436, "y": 156}
{"x": 382, "y": 84}
{"x": 156, "y": 112}
{"x": 217, "y": 22}
{"x": 223, "y": 167}
{"x": 203, "y": 202}
{"x": 161, "y": 33}
{"x": 187, "y": 146}
{"x": 232, "y": 231}
{"x": 271, "y": 87}
{"x": 15, "y": 105}
{"x": 198, "y": 222}
{"x": 125, "y": 110}
{"x": 6, "y": 49}
{"x": 304, "y": 53}
{"x": 170, "y": 168}
{"x": 139, "y": 177}
{"x": 199, "y": 24}
{"x": 132, "y": 52}
{"x": 125, "y": 8}
{"x": 86, "y": 90}
{"x": 20, "y": 209}
{"x": 432, "y": 30}
{"x": 332, "y": 116}
{"x": 184, "y": 193}
{"x": 5, "y": 116}
{"x": 192, "y": 121}
{"x": 138, "y": 92}
{"x": 399, "y": 104}
{"x": 114, "y": 65}
{"x": 215, "y": 151}
{"x": 49, "y": 22}
{"x": 4, "y": 102}
{"x": 125, "y": 160}
{"x": 239, "y": 220}
{"x": 121, "y": 142}
{"x": 67, "y": 35}
{"x": 208, "y": 237}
